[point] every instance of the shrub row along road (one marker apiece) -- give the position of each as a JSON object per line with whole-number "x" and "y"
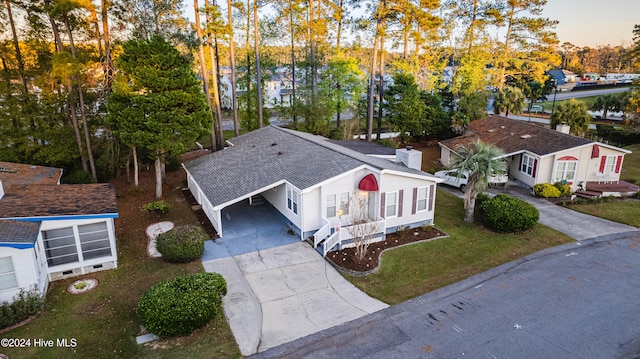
{"x": 574, "y": 301}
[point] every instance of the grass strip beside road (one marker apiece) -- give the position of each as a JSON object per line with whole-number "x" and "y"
{"x": 470, "y": 249}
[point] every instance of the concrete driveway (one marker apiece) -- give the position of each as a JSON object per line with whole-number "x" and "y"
{"x": 280, "y": 294}
{"x": 575, "y": 301}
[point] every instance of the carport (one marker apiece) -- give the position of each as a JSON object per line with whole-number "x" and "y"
{"x": 249, "y": 228}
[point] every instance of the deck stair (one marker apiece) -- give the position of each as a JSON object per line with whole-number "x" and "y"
{"x": 588, "y": 194}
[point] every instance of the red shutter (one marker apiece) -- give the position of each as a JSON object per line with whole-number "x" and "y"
{"x": 535, "y": 167}
{"x": 603, "y": 162}
{"x": 382, "y": 214}
{"x": 618, "y": 164}
{"x": 400, "y": 195}
{"x": 415, "y": 200}
{"x": 431, "y": 198}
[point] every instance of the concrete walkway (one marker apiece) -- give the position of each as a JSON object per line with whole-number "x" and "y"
{"x": 284, "y": 293}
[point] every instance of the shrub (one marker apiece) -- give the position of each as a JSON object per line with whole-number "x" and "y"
{"x": 77, "y": 177}
{"x": 159, "y": 207}
{"x": 181, "y": 244}
{"x": 508, "y": 214}
{"x": 546, "y": 190}
{"x": 564, "y": 188}
{"x": 24, "y": 305}
{"x": 182, "y": 305}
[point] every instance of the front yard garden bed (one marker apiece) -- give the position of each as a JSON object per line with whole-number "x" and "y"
{"x": 345, "y": 259}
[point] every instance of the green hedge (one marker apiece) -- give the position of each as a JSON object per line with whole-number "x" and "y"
{"x": 182, "y": 305}
{"x": 508, "y": 214}
{"x": 24, "y": 305}
{"x": 159, "y": 207}
{"x": 181, "y": 244}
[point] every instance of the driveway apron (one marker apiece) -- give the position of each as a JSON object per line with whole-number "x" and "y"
{"x": 280, "y": 294}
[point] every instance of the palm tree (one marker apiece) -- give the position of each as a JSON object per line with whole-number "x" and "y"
{"x": 573, "y": 113}
{"x": 479, "y": 160}
{"x": 511, "y": 99}
{"x": 606, "y": 103}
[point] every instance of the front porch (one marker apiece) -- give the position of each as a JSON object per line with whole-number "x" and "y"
{"x": 334, "y": 237}
{"x": 617, "y": 189}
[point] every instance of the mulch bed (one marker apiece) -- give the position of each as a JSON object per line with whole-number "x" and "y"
{"x": 346, "y": 259}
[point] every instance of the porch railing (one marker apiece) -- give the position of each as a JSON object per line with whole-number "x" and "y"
{"x": 331, "y": 242}
{"x": 322, "y": 233}
{"x": 378, "y": 225}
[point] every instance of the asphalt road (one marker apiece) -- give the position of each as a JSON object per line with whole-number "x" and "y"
{"x": 587, "y": 93}
{"x": 579, "y": 300}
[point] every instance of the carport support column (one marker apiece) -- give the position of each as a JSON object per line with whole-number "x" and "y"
{"x": 219, "y": 215}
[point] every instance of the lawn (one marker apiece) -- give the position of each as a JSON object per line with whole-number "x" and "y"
{"x": 103, "y": 321}
{"x": 470, "y": 249}
{"x": 625, "y": 211}
{"x": 631, "y": 165}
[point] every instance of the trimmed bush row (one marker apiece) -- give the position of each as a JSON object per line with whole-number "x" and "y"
{"x": 181, "y": 244}
{"x": 508, "y": 214}
{"x": 182, "y": 305}
{"x": 24, "y": 305}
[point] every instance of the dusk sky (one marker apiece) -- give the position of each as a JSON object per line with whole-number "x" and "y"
{"x": 594, "y": 22}
{"x": 582, "y": 22}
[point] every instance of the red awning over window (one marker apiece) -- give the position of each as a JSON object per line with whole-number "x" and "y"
{"x": 368, "y": 183}
{"x": 567, "y": 158}
{"x": 595, "y": 151}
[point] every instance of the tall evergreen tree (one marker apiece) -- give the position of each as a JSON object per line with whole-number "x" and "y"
{"x": 157, "y": 101}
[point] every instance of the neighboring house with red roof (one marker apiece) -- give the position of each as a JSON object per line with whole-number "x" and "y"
{"x": 310, "y": 181}
{"x": 51, "y": 231}
{"x": 541, "y": 155}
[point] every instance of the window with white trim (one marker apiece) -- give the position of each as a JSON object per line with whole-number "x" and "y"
{"x": 610, "y": 165}
{"x": 422, "y": 198}
{"x": 333, "y": 205}
{"x": 8, "y": 278}
{"x": 292, "y": 200}
{"x": 60, "y": 246}
{"x": 391, "y": 205}
{"x": 566, "y": 170}
{"x": 94, "y": 240}
{"x": 527, "y": 164}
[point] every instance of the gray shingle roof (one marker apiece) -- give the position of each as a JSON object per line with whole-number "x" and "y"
{"x": 18, "y": 232}
{"x": 368, "y": 148}
{"x": 263, "y": 157}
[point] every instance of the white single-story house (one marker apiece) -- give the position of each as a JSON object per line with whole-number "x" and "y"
{"x": 311, "y": 181}
{"x": 50, "y": 231}
{"x": 541, "y": 155}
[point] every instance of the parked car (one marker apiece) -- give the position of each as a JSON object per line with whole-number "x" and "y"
{"x": 453, "y": 178}
{"x": 459, "y": 179}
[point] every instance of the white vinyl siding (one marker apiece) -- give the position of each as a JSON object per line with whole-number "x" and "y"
{"x": 7, "y": 274}
{"x": 422, "y": 199}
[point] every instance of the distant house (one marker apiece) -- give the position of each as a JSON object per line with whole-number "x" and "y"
{"x": 311, "y": 180}
{"x": 541, "y": 155}
{"x": 50, "y": 231}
